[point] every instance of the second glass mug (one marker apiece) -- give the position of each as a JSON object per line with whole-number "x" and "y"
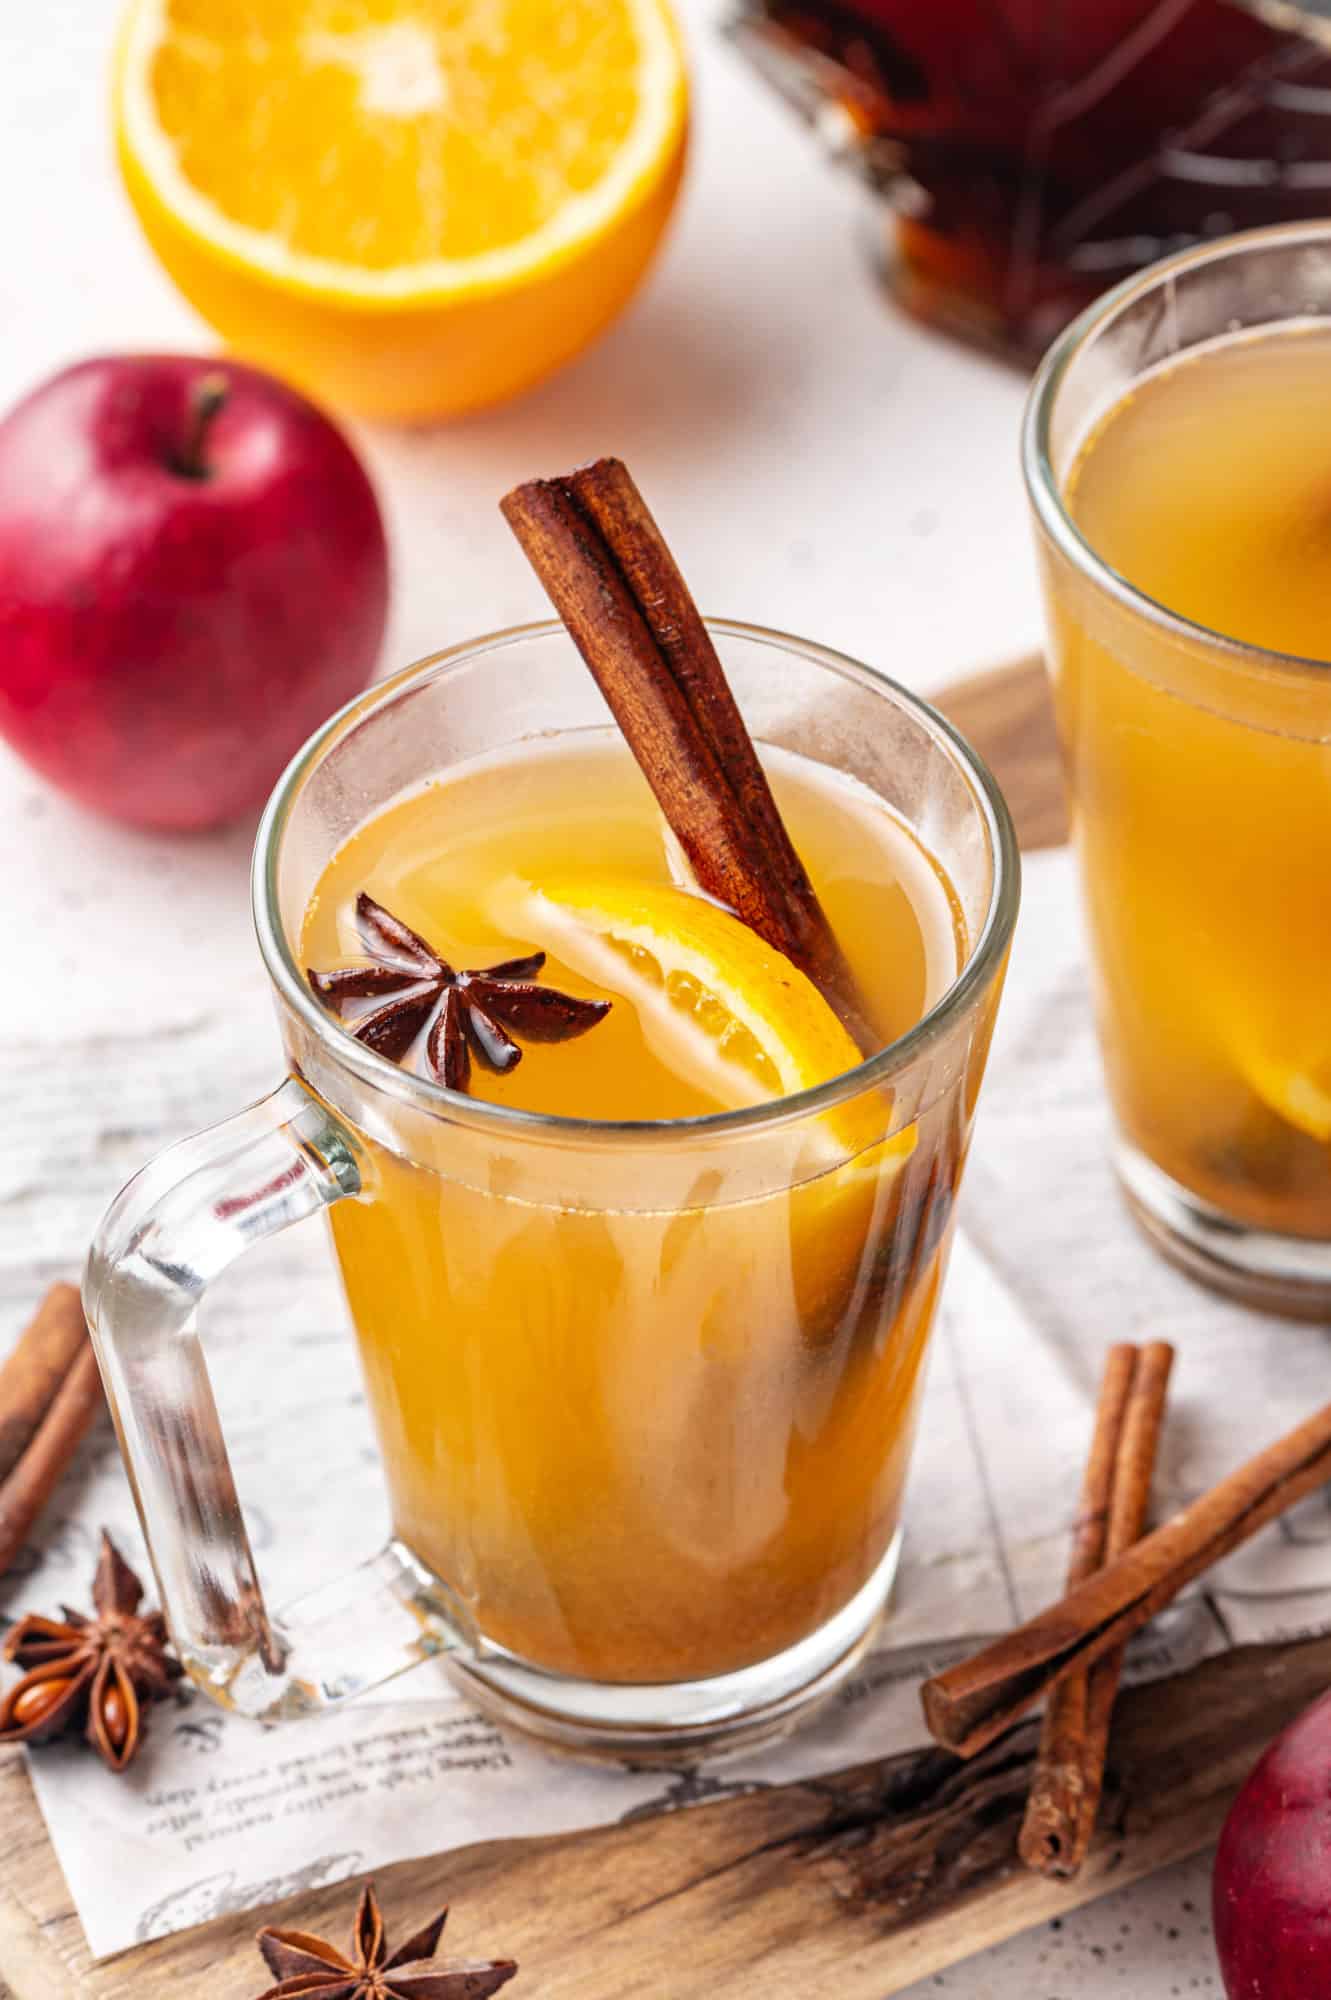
{"x": 1198, "y": 771}
{"x": 650, "y": 1498}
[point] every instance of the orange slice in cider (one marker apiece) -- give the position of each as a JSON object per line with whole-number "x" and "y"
{"x": 724, "y": 1008}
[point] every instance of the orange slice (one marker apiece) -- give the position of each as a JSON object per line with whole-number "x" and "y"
{"x": 737, "y": 1017}
{"x": 412, "y": 207}
{"x": 1299, "y": 1095}
{"x": 728, "y": 1011}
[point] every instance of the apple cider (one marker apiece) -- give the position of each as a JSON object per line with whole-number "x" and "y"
{"x": 649, "y": 1417}
{"x": 1201, "y": 773}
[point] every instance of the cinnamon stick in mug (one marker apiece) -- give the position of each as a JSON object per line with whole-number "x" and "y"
{"x": 610, "y": 575}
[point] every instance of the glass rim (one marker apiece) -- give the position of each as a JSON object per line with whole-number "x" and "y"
{"x": 982, "y": 962}
{"x": 1042, "y": 484}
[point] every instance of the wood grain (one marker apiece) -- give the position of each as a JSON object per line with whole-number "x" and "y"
{"x": 852, "y": 1886}
{"x": 1007, "y": 715}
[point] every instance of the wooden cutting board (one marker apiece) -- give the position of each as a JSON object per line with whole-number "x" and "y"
{"x": 852, "y": 1886}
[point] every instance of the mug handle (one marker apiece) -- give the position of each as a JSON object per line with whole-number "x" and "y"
{"x": 169, "y": 1233}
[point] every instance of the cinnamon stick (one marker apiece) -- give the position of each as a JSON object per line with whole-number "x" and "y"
{"x": 971, "y": 1704}
{"x": 611, "y": 577}
{"x": 1132, "y": 1503}
{"x": 1053, "y": 1808}
{"x": 607, "y": 493}
{"x": 33, "y": 1480}
{"x": 1068, "y": 1779}
{"x": 32, "y": 1373}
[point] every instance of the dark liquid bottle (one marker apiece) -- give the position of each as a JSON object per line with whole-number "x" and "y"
{"x": 1036, "y": 151}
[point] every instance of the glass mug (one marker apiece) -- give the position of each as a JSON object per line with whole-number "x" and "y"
{"x": 1199, "y": 771}
{"x": 645, "y": 1393}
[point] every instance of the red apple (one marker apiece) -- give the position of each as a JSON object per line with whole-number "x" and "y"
{"x": 193, "y": 575}
{"x": 1272, "y": 1885}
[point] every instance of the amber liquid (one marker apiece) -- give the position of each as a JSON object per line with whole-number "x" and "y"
{"x": 1202, "y": 785}
{"x": 648, "y": 1415}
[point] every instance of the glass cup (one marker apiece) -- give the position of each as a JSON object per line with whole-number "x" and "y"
{"x": 645, "y": 1393}
{"x": 1200, "y": 774}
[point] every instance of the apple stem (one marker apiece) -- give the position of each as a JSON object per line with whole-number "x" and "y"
{"x": 207, "y": 396}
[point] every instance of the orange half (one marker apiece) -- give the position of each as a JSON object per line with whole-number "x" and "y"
{"x": 411, "y": 207}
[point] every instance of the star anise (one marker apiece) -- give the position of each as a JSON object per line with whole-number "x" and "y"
{"x": 307, "y": 1965}
{"x": 471, "y": 1010}
{"x": 96, "y": 1674}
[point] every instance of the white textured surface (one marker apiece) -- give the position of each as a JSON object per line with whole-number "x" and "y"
{"x": 818, "y": 463}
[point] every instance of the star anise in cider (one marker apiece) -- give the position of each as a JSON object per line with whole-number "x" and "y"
{"x": 95, "y": 1674}
{"x": 303, "y": 1964}
{"x": 466, "y": 1011}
